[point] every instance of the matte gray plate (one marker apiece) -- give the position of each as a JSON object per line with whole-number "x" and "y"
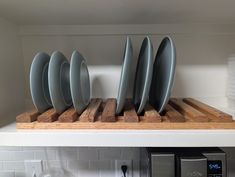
{"x": 163, "y": 74}
{"x": 79, "y": 82}
{"x": 39, "y": 82}
{"x": 143, "y": 75}
{"x": 59, "y": 86}
{"x": 125, "y": 75}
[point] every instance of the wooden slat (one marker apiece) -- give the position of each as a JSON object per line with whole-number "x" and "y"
{"x": 48, "y": 116}
{"x": 128, "y": 125}
{"x": 151, "y": 115}
{"x": 196, "y": 115}
{"x": 188, "y": 111}
{"x": 108, "y": 114}
{"x": 91, "y": 111}
{"x": 165, "y": 119}
{"x": 130, "y": 114}
{"x": 29, "y": 116}
{"x": 173, "y": 115}
{"x": 215, "y": 115}
{"x": 69, "y": 115}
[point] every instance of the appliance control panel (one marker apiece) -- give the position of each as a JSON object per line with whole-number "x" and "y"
{"x": 214, "y": 168}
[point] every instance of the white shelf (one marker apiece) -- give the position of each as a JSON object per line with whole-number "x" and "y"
{"x": 9, "y": 136}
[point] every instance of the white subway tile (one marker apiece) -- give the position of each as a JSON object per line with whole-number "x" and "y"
{"x": 88, "y": 154}
{"x": 100, "y": 164}
{"x": 130, "y": 154}
{"x": 1, "y": 166}
{"x": 20, "y": 174}
{"x": 109, "y": 153}
{"x": 89, "y": 173}
{"x": 45, "y": 155}
{"x": 66, "y": 154}
{"x": 55, "y": 164}
{"x": 78, "y": 164}
{"x": 22, "y": 155}
{"x": 136, "y": 168}
{"x": 7, "y": 173}
{"x": 82, "y": 162}
{"x": 13, "y": 165}
{"x": 103, "y": 167}
{"x": 6, "y": 155}
{"x": 107, "y": 173}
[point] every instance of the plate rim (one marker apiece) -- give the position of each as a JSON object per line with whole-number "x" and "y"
{"x": 172, "y": 71}
{"x": 43, "y": 59}
{"x": 79, "y": 103}
{"x": 55, "y": 90}
{"x": 126, "y": 68}
{"x": 148, "y": 77}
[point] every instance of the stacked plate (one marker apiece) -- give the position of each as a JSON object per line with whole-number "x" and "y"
{"x": 231, "y": 81}
{"x": 56, "y": 82}
{"x": 153, "y": 81}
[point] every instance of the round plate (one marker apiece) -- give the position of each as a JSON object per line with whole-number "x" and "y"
{"x": 163, "y": 74}
{"x": 125, "y": 75}
{"x": 59, "y": 86}
{"x": 143, "y": 75}
{"x": 39, "y": 82}
{"x": 79, "y": 82}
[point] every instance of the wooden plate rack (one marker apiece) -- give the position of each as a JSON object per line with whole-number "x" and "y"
{"x": 184, "y": 113}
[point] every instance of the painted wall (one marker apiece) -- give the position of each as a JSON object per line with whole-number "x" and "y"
{"x": 201, "y": 54}
{"x": 12, "y": 77}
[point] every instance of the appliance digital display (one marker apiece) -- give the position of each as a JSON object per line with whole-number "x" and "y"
{"x": 214, "y": 167}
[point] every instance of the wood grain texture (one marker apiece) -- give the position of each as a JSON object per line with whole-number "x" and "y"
{"x": 91, "y": 111}
{"x": 190, "y": 113}
{"x": 101, "y": 115}
{"x": 70, "y": 115}
{"x": 130, "y": 114}
{"x": 128, "y": 125}
{"x": 173, "y": 115}
{"x": 151, "y": 115}
{"x": 214, "y": 115}
{"x": 48, "y": 116}
{"x": 29, "y": 116}
{"x": 108, "y": 114}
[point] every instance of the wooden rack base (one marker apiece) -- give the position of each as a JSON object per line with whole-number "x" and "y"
{"x": 184, "y": 113}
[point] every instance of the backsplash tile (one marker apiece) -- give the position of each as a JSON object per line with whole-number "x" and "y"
{"x": 45, "y": 154}
{"x": 81, "y": 161}
{"x": 13, "y": 165}
{"x": 88, "y": 153}
{"x": 7, "y": 173}
{"x": 110, "y": 153}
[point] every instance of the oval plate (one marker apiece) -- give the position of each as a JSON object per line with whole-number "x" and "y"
{"x": 125, "y": 75}
{"x": 163, "y": 74}
{"x": 59, "y": 86}
{"x": 79, "y": 82}
{"x": 143, "y": 75}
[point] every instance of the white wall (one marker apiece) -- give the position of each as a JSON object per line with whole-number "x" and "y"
{"x": 201, "y": 53}
{"x": 81, "y": 162}
{"x": 12, "y": 78}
